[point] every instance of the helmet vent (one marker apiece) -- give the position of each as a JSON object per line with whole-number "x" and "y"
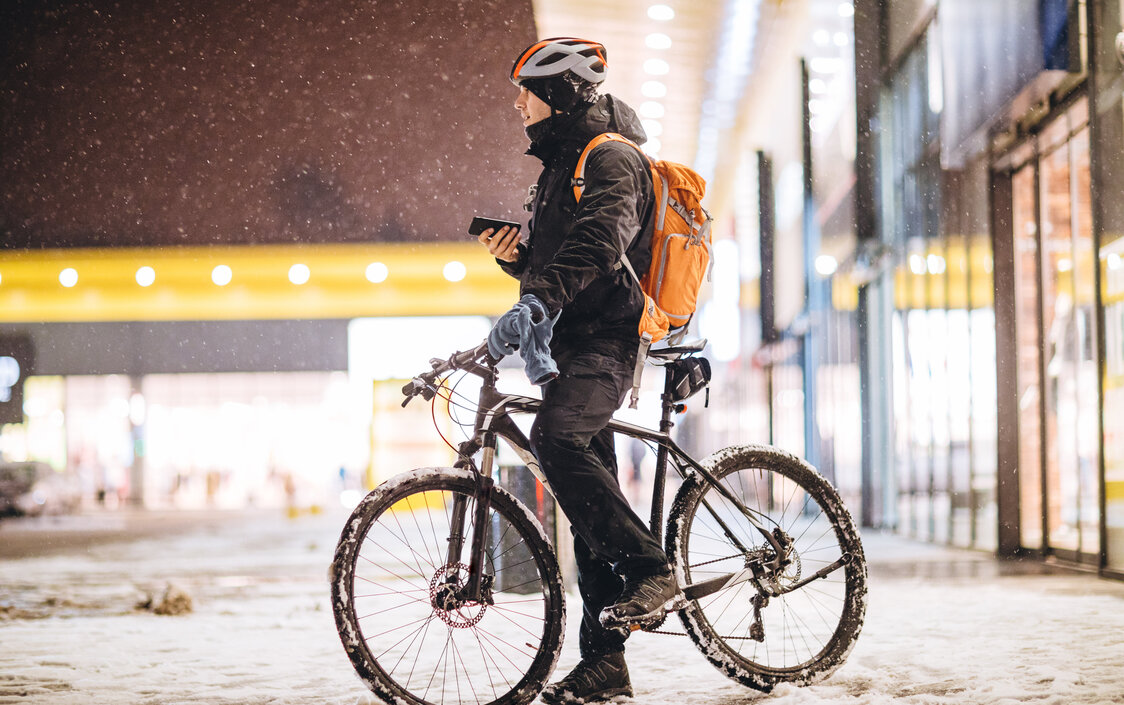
{"x": 553, "y": 59}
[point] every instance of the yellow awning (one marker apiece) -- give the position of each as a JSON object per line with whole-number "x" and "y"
{"x": 265, "y": 282}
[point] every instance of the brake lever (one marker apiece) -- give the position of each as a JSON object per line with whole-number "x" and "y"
{"x": 415, "y": 387}
{"x": 425, "y": 384}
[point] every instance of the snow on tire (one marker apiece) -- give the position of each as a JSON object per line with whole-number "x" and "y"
{"x": 408, "y": 632}
{"x": 802, "y": 636}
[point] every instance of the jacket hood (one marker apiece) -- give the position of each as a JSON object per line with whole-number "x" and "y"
{"x": 607, "y": 114}
{"x": 611, "y": 114}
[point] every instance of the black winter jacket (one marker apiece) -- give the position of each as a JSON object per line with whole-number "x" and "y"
{"x": 570, "y": 259}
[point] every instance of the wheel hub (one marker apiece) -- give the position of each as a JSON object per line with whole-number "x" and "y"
{"x": 446, "y": 594}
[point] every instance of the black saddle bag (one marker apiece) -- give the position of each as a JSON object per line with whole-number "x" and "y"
{"x": 688, "y": 376}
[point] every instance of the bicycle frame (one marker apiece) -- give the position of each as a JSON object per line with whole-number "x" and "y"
{"x": 494, "y": 420}
{"x": 432, "y": 553}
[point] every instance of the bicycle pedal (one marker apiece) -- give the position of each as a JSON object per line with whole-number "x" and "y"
{"x": 647, "y": 625}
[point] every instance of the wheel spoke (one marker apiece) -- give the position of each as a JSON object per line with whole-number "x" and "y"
{"x": 803, "y": 636}
{"x": 408, "y": 643}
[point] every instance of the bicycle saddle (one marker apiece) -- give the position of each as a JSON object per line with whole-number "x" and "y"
{"x": 677, "y": 351}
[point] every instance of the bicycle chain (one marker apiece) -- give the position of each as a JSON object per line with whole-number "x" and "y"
{"x": 716, "y": 560}
{"x": 662, "y": 620}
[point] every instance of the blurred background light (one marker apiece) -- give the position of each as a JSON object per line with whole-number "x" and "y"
{"x": 146, "y": 276}
{"x": 221, "y": 275}
{"x": 377, "y": 272}
{"x": 826, "y": 265}
{"x": 454, "y": 271}
{"x": 299, "y": 274}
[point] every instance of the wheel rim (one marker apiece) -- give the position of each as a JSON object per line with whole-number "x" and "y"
{"x": 427, "y": 643}
{"x": 798, "y": 627}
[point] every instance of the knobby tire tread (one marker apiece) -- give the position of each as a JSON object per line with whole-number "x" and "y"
{"x": 716, "y": 650}
{"x": 342, "y": 573}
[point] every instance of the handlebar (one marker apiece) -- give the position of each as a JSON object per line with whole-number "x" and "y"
{"x": 425, "y": 384}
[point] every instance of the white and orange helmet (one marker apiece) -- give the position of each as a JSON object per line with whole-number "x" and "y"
{"x": 562, "y": 71}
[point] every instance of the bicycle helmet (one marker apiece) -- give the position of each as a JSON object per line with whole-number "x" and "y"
{"x": 563, "y": 72}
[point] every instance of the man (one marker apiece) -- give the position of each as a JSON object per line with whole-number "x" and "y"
{"x": 571, "y": 263}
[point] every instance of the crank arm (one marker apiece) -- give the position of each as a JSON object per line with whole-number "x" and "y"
{"x": 695, "y": 591}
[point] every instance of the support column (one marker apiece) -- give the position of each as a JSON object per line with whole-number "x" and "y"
{"x": 873, "y": 382}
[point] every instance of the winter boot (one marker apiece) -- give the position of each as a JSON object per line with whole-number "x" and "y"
{"x": 594, "y": 679}
{"x": 643, "y": 600}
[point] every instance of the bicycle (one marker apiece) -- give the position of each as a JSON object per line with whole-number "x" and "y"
{"x": 446, "y": 589}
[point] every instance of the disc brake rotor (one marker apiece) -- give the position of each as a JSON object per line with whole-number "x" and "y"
{"x": 446, "y": 590}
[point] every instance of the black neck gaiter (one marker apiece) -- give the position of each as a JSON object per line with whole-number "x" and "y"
{"x": 545, "y": 135}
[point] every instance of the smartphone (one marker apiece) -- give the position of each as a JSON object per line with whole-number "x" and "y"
{"x": 479, "y": 225}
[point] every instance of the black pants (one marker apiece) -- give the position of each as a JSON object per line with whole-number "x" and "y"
{"x": 576, "y": 453}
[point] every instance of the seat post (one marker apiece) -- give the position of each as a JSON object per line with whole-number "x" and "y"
{"x": 667, "y": 406}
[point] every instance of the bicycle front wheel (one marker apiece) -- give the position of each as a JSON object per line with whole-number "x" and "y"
{"x": 805, "y": 633}
{"x": 400, "y": 604}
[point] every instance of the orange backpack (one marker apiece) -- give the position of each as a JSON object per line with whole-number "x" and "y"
{"x": 680, "y": 243}
{"x": 680, "y": 248}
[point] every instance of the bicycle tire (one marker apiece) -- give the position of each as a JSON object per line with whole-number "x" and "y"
{"x": 807, "y": 633}
{"x": 392, "y": 549}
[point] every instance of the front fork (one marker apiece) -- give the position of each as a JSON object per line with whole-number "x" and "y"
{"x": 479, "y": 585}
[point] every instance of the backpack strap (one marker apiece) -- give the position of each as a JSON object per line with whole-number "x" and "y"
{"x": 663, "y": 199}
{"x": 578, "y": 183}
{"x": 578, "y": 180}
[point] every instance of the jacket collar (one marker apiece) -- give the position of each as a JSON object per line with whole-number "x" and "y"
{"x": 554, "y": 135}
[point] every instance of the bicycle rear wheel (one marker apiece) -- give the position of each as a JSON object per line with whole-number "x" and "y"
{"x": 800, "y": 636}
{"x": 394, "y": 593}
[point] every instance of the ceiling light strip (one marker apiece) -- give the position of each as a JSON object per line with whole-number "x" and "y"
{"x": 731, "y": 69}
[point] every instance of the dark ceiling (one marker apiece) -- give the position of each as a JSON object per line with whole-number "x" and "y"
{"x": 219, "y": 122}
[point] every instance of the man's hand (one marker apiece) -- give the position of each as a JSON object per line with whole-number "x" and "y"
{"x": 502, "y": 245}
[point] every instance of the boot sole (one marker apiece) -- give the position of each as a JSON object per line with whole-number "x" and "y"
{"x": 610, "y": 621}
{"x": 568, "y": 698}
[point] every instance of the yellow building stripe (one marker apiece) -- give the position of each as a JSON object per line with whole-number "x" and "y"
{"x": 259, "y": 287}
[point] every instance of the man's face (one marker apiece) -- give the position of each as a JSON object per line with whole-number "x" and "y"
{"x": 531, "y": 107}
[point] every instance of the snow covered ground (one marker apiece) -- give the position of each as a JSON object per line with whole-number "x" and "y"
{"x": 942, "y": 627}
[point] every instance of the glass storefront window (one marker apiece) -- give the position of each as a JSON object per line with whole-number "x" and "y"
{"x": 1059, "y": 391}
{"x": 985, "y": 429}
{"x": 959, "y": 377}
{"x": 42, "y": 435}
{"x": 1025, "y": 225}
{"x": 788, "y": 407}
{"x": 1085, "y": 347}
{"x": 907, "y": 520}
{"x": 937, "y": 354}
{"x": 1056, "y": 334}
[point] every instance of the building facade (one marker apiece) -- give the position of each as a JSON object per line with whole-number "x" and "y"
{"x": 992, "y": 201}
